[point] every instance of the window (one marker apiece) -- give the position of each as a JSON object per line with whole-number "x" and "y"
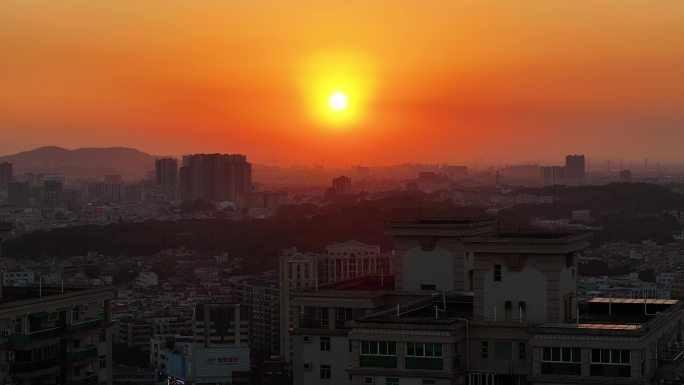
{"x": 77, "y": 344}
{"x": 484, "y": 349}
{"x": 103, "y": 337}
{"x": 378, "y": 348}
{"x": 324, "y": 316}
{"x": 423, "y": 349}
{"x": 307, "y": 366}
{"x": 391, "y": 381}
{"x": 367, "y": 380}
{"x": 497, "y": 273}
{"x": 430, "y": 287}
{"x": 378, "y": 354}
{"x": 561, "y": 361}
{"x": 503, "y": 351}
{"x": 610, "y": 363}
{"x": 325, "y": 372}
{"x": 325, "y": 344}
{"x": 306, "y": 339}
{"x": 103, "y": 362}
{"x": 428, "y": 382}
{"x": 521, "y": 350}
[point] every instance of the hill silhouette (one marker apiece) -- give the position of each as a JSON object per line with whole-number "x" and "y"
{"x": 83, "y": 162}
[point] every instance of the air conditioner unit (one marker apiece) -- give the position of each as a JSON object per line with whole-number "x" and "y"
{"x": 368, "y": 380}
{"x": 306, "y": 339}
{"x": 6, "y": 332}
{"x": 54, "y": 316}
{"x": 10, "y": 355}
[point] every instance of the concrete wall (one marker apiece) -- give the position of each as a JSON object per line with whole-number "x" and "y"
{"x": 338, "y": 358}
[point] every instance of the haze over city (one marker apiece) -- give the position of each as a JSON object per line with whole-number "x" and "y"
{"x": 449, "y": 82}
{"x": 311, "y": 192}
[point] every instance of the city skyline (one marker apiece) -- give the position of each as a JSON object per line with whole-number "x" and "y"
{"x": 444, "y": 83}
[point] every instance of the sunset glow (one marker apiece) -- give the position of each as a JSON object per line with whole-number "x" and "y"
{"x": 444, "y": 82}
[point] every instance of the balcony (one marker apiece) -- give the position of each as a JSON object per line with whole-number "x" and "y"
{"x": 27, "y": 338}
{"x": 378, "y": 361}
{"x": 422, "y": 363}
{"x": 88, "y": 352}
{"x": 85, "y": 325}
{"x": 34, "y": 366}
{"x": 87, "y": 380}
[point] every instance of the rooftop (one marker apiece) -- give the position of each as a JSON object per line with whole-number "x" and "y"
{"x": 442, "y": 222}
{"x": 531, "y": 237}
{"x": 618, "y": 315}
{"x": 442, "y": 309}
{"x": 22, "y": 293}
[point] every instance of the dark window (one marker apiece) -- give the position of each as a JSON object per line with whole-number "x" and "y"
{"x": 428, "y": 287}
{"x": 521, "y": 350}
{"x": 325, "y": 371}
{"x": 497, "y": 273}
{"x": 484, "y": 348}
{"x": 325, "y": 344}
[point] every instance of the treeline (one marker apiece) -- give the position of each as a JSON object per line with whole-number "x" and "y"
{"x": 306, "y": 227}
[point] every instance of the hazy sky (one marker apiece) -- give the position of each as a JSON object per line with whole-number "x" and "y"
{"x": 426, "y": 81}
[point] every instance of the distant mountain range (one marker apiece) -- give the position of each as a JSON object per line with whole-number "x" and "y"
{"x": 86, "y": 163}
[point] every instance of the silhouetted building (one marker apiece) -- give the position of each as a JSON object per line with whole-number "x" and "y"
{"x": 5, "y": 175}
{"x": 56, "y": 335}
{"x": 575, "y": 167}
{"x": 18, "y": 194}
{"x": 166, "y": 175}
{"x": 114, "y": 178}
{"x": 52, "y": 193}
{"x": 342, "y": 185}
{"x": 215, "y": 177}
{"x": 166, "y": 170}
{"x": 548, "y": 173}
{"x": 102, "y": 191}
{"x": 625, "y": 176}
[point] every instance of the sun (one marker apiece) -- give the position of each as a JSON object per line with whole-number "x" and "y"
{"x": 338, "y": 101}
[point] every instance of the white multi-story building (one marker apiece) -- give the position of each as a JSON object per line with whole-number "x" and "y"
{"x": 340, "y": 261}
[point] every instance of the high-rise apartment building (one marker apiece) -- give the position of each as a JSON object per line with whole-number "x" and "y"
{"x": 6, "y": 175}
{"x": 52, "y": 193}
{"x": 18, "y": 194}
{"x": 575, "y": 167}
{"x": 102, "y": 191}
{"x": 166, "y": 171}
{"x": 215, "y": 177}
{"x": 342, "y": 185}
{"x": 262, "y": 300}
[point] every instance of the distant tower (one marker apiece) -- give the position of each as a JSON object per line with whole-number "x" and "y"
{"x": 5, "y": 175}
{"x": 342, "y": 185}
{"x": 575, "y": 167}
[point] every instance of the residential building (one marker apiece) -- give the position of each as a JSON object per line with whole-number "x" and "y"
{"x": 342, "y": 185}
{"x": 472, "y": 305}
{"x": 215, "y": 177}
{"x": 6, "y": 175}
{"x": 18, "y": 194}
{"x": 166, "y": 175}
{"x": 338, "y": 262}
{"x": 216, "y": 352}
{"x": 575, "y": 167}
{"x": 55, "y": 335}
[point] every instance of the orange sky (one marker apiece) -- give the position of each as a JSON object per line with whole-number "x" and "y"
{"x": 430, "y": 81}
